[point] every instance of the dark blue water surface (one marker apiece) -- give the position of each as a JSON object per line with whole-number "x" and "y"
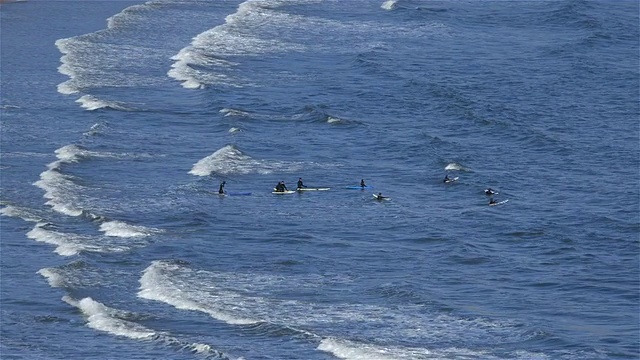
{"x": 120, "y": 120}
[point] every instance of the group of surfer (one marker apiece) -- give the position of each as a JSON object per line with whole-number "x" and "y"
{"x": 281, "y": 187}
{"x": 488, "y": 191}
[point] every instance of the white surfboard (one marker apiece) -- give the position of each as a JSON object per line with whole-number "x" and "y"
{"x": 312, "y": 189}
{"x": 378, "y": 197}
{"x": 450, "y": 180}
{"x": 499, "y": 202}
{"x": 283, "y": 192}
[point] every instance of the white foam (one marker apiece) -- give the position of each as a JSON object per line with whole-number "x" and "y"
{"x": 70, "y": 153}
{"x": 66, "y": 243}
{"x": 233, "y": 38}
{"x": 66, "y": 88}
{"x": 90, "y": 102}
{"x": 69, "y": 244}
{"x": 60, "y": 190}
{"x": 115, "y": 322}
{"x": 352, "y": 351}
{"x": 230, "y": 160}
{"x": 455, "y": 166}
{"x": 233, "y": 112}
{"x": 389, "y": 5}
{"x": 160, "y": 282}
{"x": 104, "y": 318}
{"x": 124, "y": 230}
{"x": 24, "y": 214}
{"x": 95, "y": 129}
{"x": 53, "y": 277}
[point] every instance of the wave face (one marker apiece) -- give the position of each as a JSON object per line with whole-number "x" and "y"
{"x": 121, "y": 119}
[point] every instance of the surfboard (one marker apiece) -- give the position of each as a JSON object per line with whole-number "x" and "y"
{"x": 283, "y": 192}
{"x": 358, "y": 187}
{"x": 381, "y": 197}
{"x": 499, "y": 202}
{"x": 451, "y": 180}
{"x": 312, "y": 189}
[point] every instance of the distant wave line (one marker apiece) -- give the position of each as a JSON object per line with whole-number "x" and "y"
{"x": 117, "y": 322}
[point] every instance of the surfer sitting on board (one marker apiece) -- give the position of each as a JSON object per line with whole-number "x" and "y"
{"x": 492, "y": 202}
{"x": 281, "y": 187}
{"x": 362, "y": 184}
{"x": 221, "y": 189}
{"x": 380, "y": 197}
{"x": 300, "y": 184}
{"x": 446, "y": 178}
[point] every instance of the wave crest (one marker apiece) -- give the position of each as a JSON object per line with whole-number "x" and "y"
{"x": 230, "y": 160}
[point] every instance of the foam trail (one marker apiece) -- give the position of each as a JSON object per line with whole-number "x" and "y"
{"x": 229, "y": 39}
{"x": 103, "y": 318}
{"x": 53, "y": 277}
{"x": 351, "y": 351}
{"x": 156, "y": 284}
{"x": 93, "y": 103}
{"x": 67, "y": 244}
{"x": 59, "y": 189}
{"x": 124, "y": 230}
{"x": 24, "y": 214}
{"x": 115, "y": 322}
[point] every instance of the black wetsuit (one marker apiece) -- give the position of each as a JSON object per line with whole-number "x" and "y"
{"x": 300, "y": 184}
{"x": 221, "y": 189}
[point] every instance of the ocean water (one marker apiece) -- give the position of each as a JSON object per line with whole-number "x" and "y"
{"x": 121, "y": 118}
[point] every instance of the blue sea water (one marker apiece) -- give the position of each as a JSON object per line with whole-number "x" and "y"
{"x": 121, "y": 118}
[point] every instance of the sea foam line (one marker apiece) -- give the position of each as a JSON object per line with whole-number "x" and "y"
{"x": 69, "y": 244}
{"x": 155, "y": 285}
{"x": 124, "y": 230}
{"x": 115, "y": 322}
{"x": 229, "y": 39}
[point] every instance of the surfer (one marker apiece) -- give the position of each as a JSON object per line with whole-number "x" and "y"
{"x": 362, "y": 184}
{"x": 446, "y": 178}
{"x": 379, "y": 196}
{"x": 492, "y": 202}
{"x": 300, "y": 184}
{"x": 221, "y": 189}
{"x": 281, "y": 187}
